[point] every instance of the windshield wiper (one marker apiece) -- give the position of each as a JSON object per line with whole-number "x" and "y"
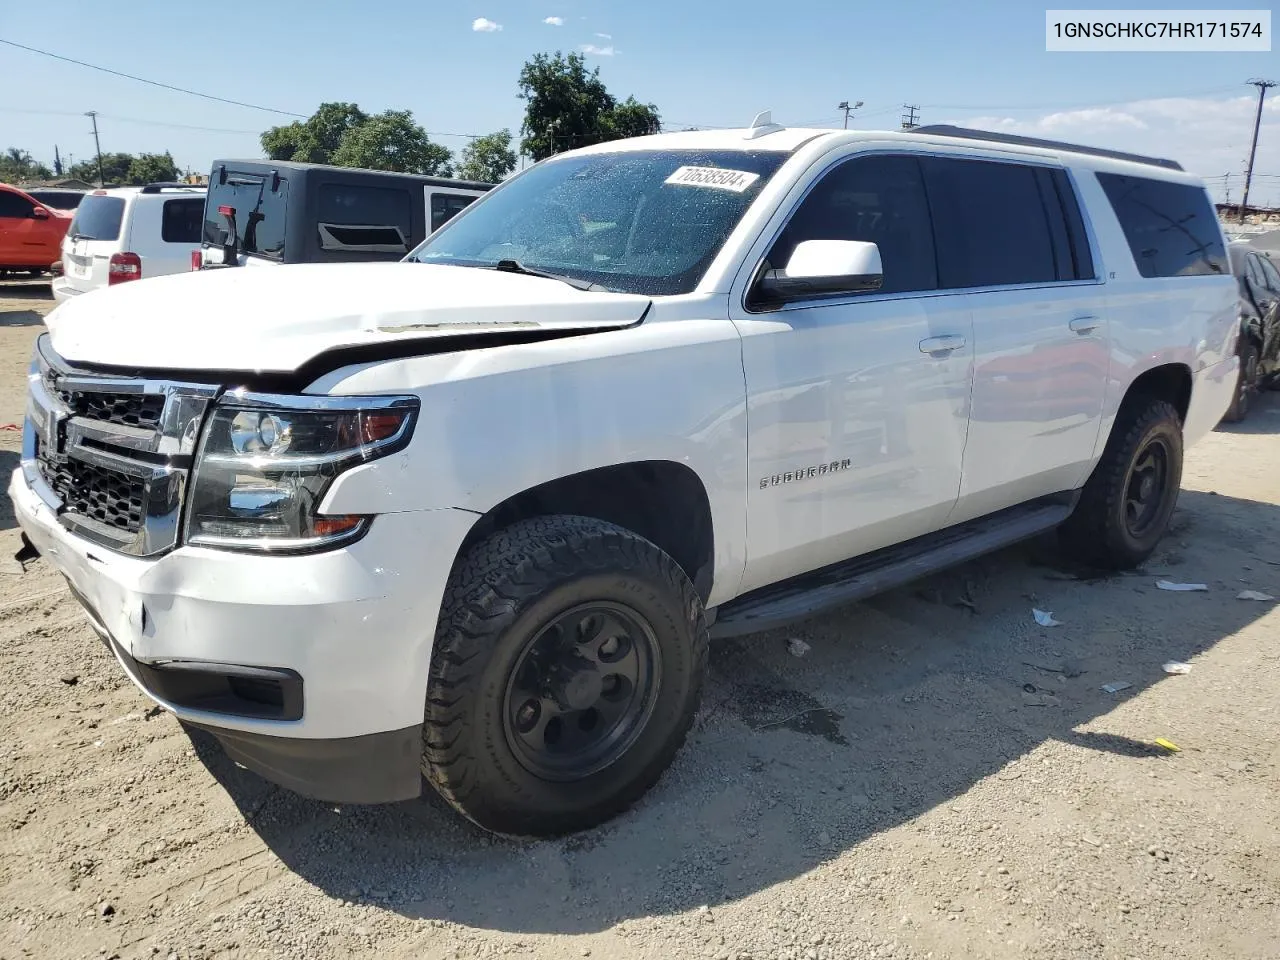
{"x": 515, "y": 266}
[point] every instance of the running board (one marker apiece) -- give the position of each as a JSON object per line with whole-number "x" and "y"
{"x": 852, "y": 580}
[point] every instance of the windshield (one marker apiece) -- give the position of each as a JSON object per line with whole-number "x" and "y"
{"x": 97, "y": 218}
{"x": 646, "y": 222}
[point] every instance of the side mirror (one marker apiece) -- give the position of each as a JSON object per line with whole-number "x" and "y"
{"x": 825, "y": 268}
{"x": 39, "y": 213}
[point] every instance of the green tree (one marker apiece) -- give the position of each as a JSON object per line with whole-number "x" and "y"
{"x": 564, "y": 102}
{"x": 17, "y": 165}
{"x": 631, "y": 118}
{"x": 392, "y": 141}
{"x": 115, "y": 169}
{"x": 488, "y": 159}
{"x": 153, "y": 168}
{"x": 315, "y": 139}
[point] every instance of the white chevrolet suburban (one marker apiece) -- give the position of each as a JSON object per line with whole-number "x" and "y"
{"x": 472, "y": 518}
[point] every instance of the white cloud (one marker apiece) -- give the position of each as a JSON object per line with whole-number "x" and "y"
{"x": 605, "y": 36}
{"x": 554, "y": 21}
{"x": 484, "y": 25}
{"x": 591, "y": 50}
{"x": 1208, "y": 136}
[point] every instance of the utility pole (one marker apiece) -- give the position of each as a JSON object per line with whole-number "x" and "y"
{"x": 1263, "y": 86}
{"x": 1227, "y": 198}
{"x": 844, "y": 105}
{"x": 909, "y": 118}
{"x": 57, "y": 161}
{"x": 97, "y": 147}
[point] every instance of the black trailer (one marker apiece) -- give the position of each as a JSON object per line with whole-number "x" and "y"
{"x": 277, "y": 211}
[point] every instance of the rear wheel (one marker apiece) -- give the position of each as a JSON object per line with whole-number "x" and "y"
{"x": 567, "y": 670}
{"x": 1246, "y": 383}
{"x": 1127, "y": 503}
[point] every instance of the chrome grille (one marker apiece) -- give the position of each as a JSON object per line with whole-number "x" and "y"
{"x": 99, "y": 494}
{"x": 110, "y": 454}
{"x": 132, "y": 410}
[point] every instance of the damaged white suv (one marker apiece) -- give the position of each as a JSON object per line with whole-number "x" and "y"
{"x": 473, "y": 517}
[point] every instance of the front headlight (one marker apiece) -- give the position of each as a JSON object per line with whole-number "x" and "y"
{"x": 265, "y": 463}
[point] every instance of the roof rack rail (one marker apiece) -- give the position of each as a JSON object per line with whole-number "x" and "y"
{"x": 157, "y": 187}
{"x": 946, "y": 130}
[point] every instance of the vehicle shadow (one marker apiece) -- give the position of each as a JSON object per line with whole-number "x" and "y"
{"x": 9, "y": 460}
{"x": 14, "y": 312}
{"x": 901, "y": 704}
{"x": 1263, "y": 417}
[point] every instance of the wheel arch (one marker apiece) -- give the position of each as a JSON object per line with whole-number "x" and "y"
{"x": 1168, "y": 381}
{"x": 661, "y": 500}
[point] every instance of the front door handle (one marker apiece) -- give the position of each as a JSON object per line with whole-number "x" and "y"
{"x": 1083, "y": 325}
{"x": 944, "y": 344}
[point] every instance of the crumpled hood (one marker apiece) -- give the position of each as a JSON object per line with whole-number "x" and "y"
{"x": 277, "y": 318}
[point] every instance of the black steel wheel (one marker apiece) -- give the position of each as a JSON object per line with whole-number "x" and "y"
{"x": 567, "y": 669}
{"x": 582, "y": 691}
{"x": 1147, "y": 486}
{"x": 1128, "y": 501}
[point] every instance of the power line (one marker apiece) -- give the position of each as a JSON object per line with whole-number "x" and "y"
{"x": 154, "y": 83}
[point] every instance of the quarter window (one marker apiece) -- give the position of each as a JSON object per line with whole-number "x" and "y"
{"x": 879, "y": 199}
{"x": 182, "y": 221}
{"x": 1171, "y": 227}
{"x": 363, "y": 219}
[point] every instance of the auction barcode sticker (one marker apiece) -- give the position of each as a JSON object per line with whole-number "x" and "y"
{"x": 1233, "y": 31}
{"x": 735, "y": 180}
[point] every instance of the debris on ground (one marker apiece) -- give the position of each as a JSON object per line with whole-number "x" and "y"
{"x": 1254, "y": 595}
{"x": 1181, "y": 587}
{"x": 70, "y": 679}
{"x": 1068, "y": 668}
{"x": 1116, "y": 686}
{"x": 1044, "y": 618}
{"x": 797, "y": 647}
{"x": 1177, "y": 667}
{"x": 1167, "y": 744}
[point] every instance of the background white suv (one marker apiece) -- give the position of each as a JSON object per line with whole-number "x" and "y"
{"x": 129, "y": 233}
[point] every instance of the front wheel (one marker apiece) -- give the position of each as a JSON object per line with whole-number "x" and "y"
{"x": 1127, "y": 503}
{"x": 567, "y": 670}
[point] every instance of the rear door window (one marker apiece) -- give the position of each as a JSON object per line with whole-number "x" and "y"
{"x": 1171, "y": 228}
{"x": 446, "y": 206}
{"x": 361, "y": 219}
{"x": 182, "y": 220}
{"x": 97, "y": 218}
{"x": 993, "y": 223}
{"x": 259, "y": 213}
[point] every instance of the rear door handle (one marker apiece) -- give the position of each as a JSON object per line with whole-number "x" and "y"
{"x": 944, "y": 344}
{"x": 1084, "y": 325}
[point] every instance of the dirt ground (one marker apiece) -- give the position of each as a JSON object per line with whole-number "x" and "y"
{"x": 937, "y": 777}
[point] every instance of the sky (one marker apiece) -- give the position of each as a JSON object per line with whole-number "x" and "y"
{"x": 708, "y": 63}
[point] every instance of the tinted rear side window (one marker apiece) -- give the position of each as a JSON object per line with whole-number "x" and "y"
{"x": 182, "y": 221}
{"x": 97, "y": 218}
{"x": 991, "y": 223}
{"x": 1171, "y": 227}
{"x": 363, "y": 219}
